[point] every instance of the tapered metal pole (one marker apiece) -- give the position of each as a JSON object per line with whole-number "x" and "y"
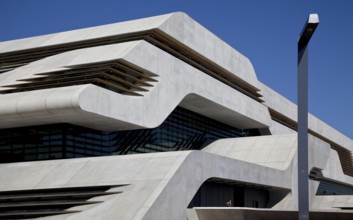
{"x": 303, "y": 173}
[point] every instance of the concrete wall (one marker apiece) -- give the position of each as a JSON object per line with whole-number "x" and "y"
{"x": 160, "y": 185}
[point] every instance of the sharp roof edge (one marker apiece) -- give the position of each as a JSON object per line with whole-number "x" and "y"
{"x": 178, "y": 25}
{"x": 84, "y": 34}
{"x": 67, "y": 59}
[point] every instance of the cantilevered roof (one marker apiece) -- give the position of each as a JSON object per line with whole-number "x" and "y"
{"x": 64, "y": 95}
{"x": 176, "y": 28}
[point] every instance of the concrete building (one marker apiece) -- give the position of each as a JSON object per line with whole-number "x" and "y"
{"x": 155, "y": 118}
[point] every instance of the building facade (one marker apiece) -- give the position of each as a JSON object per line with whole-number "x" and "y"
{"x": 155, "y": 118}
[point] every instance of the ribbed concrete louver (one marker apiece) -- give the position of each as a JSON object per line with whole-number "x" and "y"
{"x": 44, "y": 202}
{"x": 345, "y": 157}
{"x": 12, "y": 60}
{"x": 115, "y": 76}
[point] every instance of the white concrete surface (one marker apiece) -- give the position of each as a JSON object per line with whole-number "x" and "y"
{"x": 336, "y": 202}
{"x": 161, "y": 185}
{"x": 287, "y": 108}
{"x": 279, "y": 152}
{"x": 63, "y": 61}
{"x": 178, "y": 25}
{"x": 275, "y": 151}
{"x": 178, "y": 83}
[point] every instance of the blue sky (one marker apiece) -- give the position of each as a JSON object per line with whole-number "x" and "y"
{"x": 265, "y": 31}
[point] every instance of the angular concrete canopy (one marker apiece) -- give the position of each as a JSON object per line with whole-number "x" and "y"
{"x": 178, "y": 26}
{"x": 178, "y": 83}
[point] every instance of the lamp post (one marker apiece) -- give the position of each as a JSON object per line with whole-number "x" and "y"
{"x": 303, "y": 174}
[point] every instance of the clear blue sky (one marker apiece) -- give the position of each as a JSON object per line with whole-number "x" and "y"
{"x": 265, "y": 31}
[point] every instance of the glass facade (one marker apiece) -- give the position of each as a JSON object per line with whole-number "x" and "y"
{"x": 327, "y": 188}
{"x": 232, "y": 194}
{"x": 182, "y": 130}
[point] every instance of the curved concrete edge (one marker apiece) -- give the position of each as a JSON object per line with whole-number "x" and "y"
{"x": 182, "y": 27}
{"x": 279, "y": 152}
{"x": 178, "y": 25}
{"x": 66, "y": 60}
{"x": 178, "y": 83}
{"x": 51, "y": 106}
{"x": 40, "y": 107}
{"x": 158, "y": 183}
{"x": 114, "y": 29}
{"x": 196, "y": 169}
{"x": 107, "y": 110}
